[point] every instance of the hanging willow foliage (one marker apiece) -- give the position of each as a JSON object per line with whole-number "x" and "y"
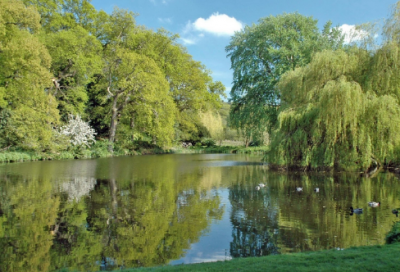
{"x": 213, "y": 123}
{"x": 341, "y": 111}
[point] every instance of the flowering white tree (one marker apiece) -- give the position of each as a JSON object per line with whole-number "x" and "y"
{"x": 78, "y": 131}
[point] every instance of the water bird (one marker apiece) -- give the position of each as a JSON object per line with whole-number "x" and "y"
{"x": 374, "y": 204}
{"x": 299, "y": 189}
{"x": 316, "y": 190}
{"x": 258, "y": 188}
{"x": 356, "y": 211}
{"x": 396, "y": 212}
{"x": 262, "y": 185}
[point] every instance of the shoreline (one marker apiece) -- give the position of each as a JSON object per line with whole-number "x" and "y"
{"x": 26, "y": 156}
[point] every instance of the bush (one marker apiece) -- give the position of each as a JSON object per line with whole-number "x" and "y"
{"x": 255, "y": 143}
{"x": 100, "y": 149}
{"x": 208, "y": 142}
{"x": 78, "y": 131}
{"x": 65, "y": 155}
{"x": 394, "y": 234}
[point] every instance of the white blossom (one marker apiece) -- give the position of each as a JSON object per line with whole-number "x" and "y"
{"x": 78, "y": 131}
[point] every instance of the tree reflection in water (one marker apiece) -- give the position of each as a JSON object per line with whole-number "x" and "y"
{"x": 114, "y": 213}
{"x": 253, "y": 219}
{"x": 88, "y": 224}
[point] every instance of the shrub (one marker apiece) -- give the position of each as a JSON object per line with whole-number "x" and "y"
{"x": 394, "y": 234}
{"x": 100, "y": 149}
{"x": 208, "y": 142}
{"x": 78, "y": 131}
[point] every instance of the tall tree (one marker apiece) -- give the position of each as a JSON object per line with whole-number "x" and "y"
{"x": 342, "y": 110}
{"x": 28, "y": 113}
{"x": 76, "y": 57}
{"x": 68, "y": 28}
{"x": 334, "y": 116}
{"x": 191, "y": 85}
{"x": 260, "y": 54}
{"x": 132, "y": 87}
{"x": 135, "y": 80}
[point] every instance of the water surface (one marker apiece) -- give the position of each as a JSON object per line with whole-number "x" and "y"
{"x": 107, "y": 214}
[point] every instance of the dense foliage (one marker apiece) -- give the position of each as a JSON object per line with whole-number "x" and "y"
{"x": 325, "y": 104}
{"x": 394, "y": 235}
{"x": 63, "y": 57}
{"x": 339, "y": 112}
{"x": 260, "y": 54}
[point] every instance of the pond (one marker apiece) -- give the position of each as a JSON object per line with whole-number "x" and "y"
{"x": 107, "y": 214}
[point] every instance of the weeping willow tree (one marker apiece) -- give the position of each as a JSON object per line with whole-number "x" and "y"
{"x": 213, "y": 123}
{"x": 341, "y": 111}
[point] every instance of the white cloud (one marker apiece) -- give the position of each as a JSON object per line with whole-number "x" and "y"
{"x": 351, "y": 34}
{"x": 217, "y": 24}
{"x": 188, "y": 41}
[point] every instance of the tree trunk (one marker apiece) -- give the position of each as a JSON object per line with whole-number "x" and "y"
{"x": 114, "y": 123}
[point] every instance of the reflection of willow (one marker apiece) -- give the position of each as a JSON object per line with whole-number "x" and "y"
{"x": 253, "y": 217}
{"x": 147, "y": 222}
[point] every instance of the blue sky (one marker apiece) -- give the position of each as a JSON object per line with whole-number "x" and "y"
{"x": 205, "y": 26}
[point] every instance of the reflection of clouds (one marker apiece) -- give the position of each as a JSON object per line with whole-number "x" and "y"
{"x": 202, "y": 257}
{"x": 214, "y": 258}
{"x": 78, "y": 187}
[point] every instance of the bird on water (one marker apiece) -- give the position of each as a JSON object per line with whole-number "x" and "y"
{"x": 374, "y": 204}
{"x": 356, "y": 211}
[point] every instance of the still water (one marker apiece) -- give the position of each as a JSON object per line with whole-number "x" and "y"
{"x": 107, "y": 214}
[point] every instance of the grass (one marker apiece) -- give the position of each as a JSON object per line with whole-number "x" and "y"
{"x": 100, "y": 150}
{"x": 369, "y": 258}
{"x": 93, "y": 152}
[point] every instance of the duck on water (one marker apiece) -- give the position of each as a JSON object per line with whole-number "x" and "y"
{"x": 374, "y": 204}
{"x": 356, "y": 211}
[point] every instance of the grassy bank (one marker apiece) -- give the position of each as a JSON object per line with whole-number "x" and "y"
{"x": 102, "y": 152}
{"x": 371, "y": 258}
{"x": 97, "y": 151}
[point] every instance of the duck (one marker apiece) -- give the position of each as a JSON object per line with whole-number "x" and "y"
{"x": 374, "y": 204}
{"x": 316, "y": 190}
{"x": 299, "y": 189}
{"x": 258, "y": 188}
{"x": 262, "y": 185}
{"x": 356, "y": 211}
{"x": 396, "y": 212}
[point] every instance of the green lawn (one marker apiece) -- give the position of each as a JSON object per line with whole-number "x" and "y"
{"x": 370, "y": 258}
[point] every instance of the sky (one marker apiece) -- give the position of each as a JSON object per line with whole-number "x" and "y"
{"x": 205, "y": 26}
